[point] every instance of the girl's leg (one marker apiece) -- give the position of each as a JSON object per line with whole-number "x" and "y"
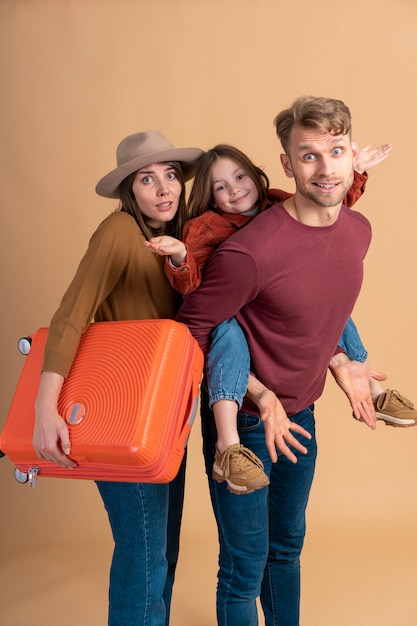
{"x": 228, "y": 365}
{"x": 391, "y": 407}
{"x": 351, "y": 343}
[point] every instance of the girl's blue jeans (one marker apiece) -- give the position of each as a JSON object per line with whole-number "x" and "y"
{"x": 228, "y": 361}
{"x": 351, "y": 343}
{"x": 145, "y": 520}
{"x": 261, "y": 534}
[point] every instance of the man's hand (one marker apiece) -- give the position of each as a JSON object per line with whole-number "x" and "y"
{"x": 353, "y": 378}
{"x": 278, "y": 426}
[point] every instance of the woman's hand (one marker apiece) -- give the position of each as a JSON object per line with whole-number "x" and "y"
{"x": 51, "y": 439}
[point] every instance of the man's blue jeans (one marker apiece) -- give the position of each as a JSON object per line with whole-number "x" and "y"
{"x": 228, "y": 361}
{"x": 145, "y": 520}
{"x": 261, "y": 534}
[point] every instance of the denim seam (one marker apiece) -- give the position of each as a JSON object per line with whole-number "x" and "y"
{"x": 147, "y": 564}
{"x": 226, "y": 396}
{"x": 362, "y": 357}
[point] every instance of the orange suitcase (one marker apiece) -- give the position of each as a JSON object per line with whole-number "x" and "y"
{"x": 129, "y": 400}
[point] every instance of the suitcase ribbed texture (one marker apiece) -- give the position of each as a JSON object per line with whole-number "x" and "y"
{"x": 129, "y": 401}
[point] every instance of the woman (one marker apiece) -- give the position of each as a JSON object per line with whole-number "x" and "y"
{"x": 119, "y": 279}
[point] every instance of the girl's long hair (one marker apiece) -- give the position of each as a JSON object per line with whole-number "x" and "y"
{"x": 201, "y": 197}
{"x": 129, "y": 205}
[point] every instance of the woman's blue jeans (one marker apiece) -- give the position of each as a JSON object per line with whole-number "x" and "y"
{"x": 145, "y": 520}
{"x": 261, "y": 534}
{"x": 228, "y": 361}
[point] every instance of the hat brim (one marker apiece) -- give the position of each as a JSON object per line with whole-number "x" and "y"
{"x": 109, "y": 185}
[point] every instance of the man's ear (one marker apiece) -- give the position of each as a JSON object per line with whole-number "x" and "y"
{"x": 286, "y": 164}
{"x": 355, "y": 149}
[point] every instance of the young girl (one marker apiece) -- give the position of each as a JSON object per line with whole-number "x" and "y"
{"x": 228, "y": 191}
{"x": 119, "y": 279}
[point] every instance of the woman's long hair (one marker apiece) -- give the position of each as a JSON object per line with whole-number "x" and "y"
{"x": 129, "y": 205}
{"x": 201, "y": 196}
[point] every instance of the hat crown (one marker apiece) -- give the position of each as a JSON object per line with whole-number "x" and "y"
{"x": 141, "y": 145}
{"x": 140, "y": 150}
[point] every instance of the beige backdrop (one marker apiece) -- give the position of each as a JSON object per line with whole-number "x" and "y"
{"x": 77, "y": 76}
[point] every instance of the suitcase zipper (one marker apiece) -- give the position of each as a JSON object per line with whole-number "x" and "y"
{"x": 33, "y": 475}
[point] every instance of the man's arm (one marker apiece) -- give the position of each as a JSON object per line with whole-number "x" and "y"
{"x": 230, "y": 282}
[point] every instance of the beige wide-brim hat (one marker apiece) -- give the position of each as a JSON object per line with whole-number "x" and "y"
{"x": 141, "y": 149}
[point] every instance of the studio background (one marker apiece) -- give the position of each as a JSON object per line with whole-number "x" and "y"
{"x": 79, "y": 75}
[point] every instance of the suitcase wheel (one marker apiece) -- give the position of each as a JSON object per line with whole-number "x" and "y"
{"x": 21, "y": 477}
{"x": 24, "y": 344}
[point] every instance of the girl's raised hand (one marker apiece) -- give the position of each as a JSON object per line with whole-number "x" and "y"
{"x": 367, "y": 157}
{"x": 168, "y": 246}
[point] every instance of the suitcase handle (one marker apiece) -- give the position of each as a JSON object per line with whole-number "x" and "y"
{"x": 191, "y": 412}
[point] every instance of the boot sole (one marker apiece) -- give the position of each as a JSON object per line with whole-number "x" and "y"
{"x": 395, "y": 421}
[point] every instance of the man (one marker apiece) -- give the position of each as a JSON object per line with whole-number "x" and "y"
{"x": 291, "y": 278}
